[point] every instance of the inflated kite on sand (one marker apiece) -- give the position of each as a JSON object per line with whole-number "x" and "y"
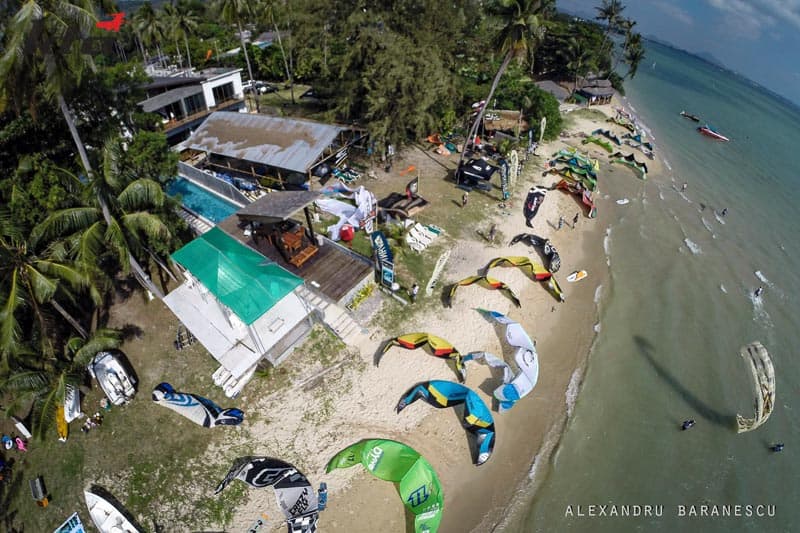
{"x": 534, "y": 270}
{"x": 477, "y": 417}
{"x": 532, "y": 203}
{"x": 484, "y": 281}
{"x": 439, "y": 347}
{"x": 513, "y": 388}
{"x": 584, "y": 194}
{"x": 199, "y": 410}
{"x": 763, "y": 373}
{"x": 297, "y": 498}
{"x": 416, "y": 479}
{"x": 543, "y": 245}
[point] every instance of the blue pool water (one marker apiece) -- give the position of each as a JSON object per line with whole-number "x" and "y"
{"x": 200, "y": 200}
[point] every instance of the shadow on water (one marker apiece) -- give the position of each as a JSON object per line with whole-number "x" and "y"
{"x": 700, "y": 407}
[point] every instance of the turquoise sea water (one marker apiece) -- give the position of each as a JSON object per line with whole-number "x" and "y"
{"x": 678, "y": 307}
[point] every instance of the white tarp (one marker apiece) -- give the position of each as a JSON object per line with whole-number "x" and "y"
{"x": 360, "y": 216}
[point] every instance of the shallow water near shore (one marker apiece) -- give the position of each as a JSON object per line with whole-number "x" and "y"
{"x": 677, "y": 308}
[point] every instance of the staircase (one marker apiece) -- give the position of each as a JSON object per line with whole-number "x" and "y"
{"x": 334, "y": 316}
{"x": 199, "y": 225}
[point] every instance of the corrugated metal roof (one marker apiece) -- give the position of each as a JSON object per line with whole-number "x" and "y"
{"x": 277, "y": 205}
{"x": 553, "y": 88}
{"x": 286, "y": 143}
{"x": 170, "y": 97}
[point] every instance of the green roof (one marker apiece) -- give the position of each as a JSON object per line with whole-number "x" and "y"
{"x": 241, "y": 278}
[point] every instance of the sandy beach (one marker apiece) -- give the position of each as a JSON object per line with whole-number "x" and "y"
{"x": 476, "y": 498}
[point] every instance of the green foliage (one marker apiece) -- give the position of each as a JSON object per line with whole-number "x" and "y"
{"x": 544, "y": 104}
{"x": 148, "y": 156}
{"x": 365, "y": 292}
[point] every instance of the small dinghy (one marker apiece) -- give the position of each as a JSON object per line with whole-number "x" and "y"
{"x": 106, "y": 517}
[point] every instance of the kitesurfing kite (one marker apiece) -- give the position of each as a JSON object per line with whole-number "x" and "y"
{"x": 573, "y": 157}
{"x": 576, "y": 175}
{"x": 630, "y": 160}
{"x": 199, "y": 410}
{"x": 579, "y": 190}
{"x": 542, "y": 244}
{"x": 484, "y": 281}
{"x": 532, "y": 203}
{"x": 477, "y": 417}
{"x": 608, "y": 135}
{"x": 439, "y": 347}
{"x": 764, "y": 385}
{"x": 393, "y": 461}
{"x": 513, "y": 388}
{"x": 297, "y": 498}
{"x": 535, "y": 270}
{"x": 605, "y": 145}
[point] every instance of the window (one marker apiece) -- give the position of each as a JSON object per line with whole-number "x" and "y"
{"x": 223, "y": 92}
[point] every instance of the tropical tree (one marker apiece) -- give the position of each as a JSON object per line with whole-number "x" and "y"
{"x": 44, "y": 43}
{"x": 578, "y": 58}
{"x": 232, "y": 12}
{"x": 130, "y": 227}
{"x": 634, "y": 54}
{"x": 42, "y": 385}
{"x": 31, "y": 282}
{"x": 522, "y": 27}
{"x": 183, "y": 21}
{"x": 149, "y": 26}
{"x": 611, "y": 12}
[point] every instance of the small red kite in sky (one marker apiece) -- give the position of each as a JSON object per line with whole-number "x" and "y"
{"x": 113, "y": 24}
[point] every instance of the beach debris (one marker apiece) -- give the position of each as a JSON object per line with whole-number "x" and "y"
{"x": 477, "y": 417}
{"x": 577, "y": 276}
{"x": 763, "y": 374}
{"x": 535, "y": 270}
{"x": 199, "y": 410}
{"x": 296, "y": 497}
{"x": 417, "y": 482}
{"x": 514, "y": 387}
{"x": 483, "y": 281}
{"x": 439, "y": 347}
{"x": 543, "y": 245}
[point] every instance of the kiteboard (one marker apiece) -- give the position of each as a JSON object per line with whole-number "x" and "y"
{"x": 577, "y": 276}
{"x": 106, "y": 517}
{"x": 623, "y": 201}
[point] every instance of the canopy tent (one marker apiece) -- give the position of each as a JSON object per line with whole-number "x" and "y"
{"x": 245, "y": 281}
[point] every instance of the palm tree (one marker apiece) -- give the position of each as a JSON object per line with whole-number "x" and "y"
{"x": 44, "y": 383}
{"x": 634, "y": 54}
{"x": 183, "y": 21}
{"x": 611, "y": 12}
{"x": 578, "y": 58}
{"x": 148, "y": 25}
{"x": 521, "y": 28}
{"x": 232, "y": 12}
{"x": 129, "y": 227}
{"x": 45, "y": 38}
{"x": 30, "y": 282}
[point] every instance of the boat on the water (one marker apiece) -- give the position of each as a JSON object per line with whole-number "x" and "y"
{"x": 709, "y": 131}
{"x": 106, "y": 517}
{"x": 690, "y": 116}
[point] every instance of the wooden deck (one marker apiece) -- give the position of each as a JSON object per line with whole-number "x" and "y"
{"x": 331, "y": 271}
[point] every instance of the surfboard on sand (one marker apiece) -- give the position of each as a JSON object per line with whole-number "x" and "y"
{"x": 577, "y": 276}
{"x": 61, "y": 424}
{"x": 106, "y": 517}
{"x": 623, "y": 201}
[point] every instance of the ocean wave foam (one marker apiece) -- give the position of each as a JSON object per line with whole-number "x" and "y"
{"x": 666, "y": 163}
{"x": 598, "y": 292}
{"x": 722, "y": 288}
{"x": 692, "y": 246}
{"x": 574, "y": 387}
{"x": 708, "y": 227}
{"x": 763, "y": 278}
{"x": 719, "y": 218}
{"x": 596, "y": 328}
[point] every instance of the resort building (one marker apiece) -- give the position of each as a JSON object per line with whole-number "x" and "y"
{"x": 186, "y": 98}
{"x": 559, "y": 92}
{"x": 276, "y": 152}
{"x": 241, "y": 306}
{"x": 597, "y": 91}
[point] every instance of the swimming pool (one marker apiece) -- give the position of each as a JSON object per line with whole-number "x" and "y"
{"x": 201, "y": 201}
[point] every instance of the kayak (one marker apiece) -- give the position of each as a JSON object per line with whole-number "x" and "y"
{"x": 709, "y": 131}
{"x": 106, "y": 517}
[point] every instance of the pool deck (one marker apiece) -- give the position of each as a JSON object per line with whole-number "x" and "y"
{"x": 333, "y": 271}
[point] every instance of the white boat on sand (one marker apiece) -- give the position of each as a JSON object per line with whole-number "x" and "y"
{"x": 106, "y": 516}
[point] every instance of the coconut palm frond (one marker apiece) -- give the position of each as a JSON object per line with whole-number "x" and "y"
{"x": 25, "y": 381}
{"x": 65, "y": 222}
{"x": 147, "y": 224}
{"x": 141, "y": 193}
{"x": 41, "y": 287}
{"x": 10, "y": 330}
{"x": 91, "y": 244}
{"x": 115, "y": 239}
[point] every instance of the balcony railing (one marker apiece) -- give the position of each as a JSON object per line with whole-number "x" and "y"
{"x": 175, "y": 123}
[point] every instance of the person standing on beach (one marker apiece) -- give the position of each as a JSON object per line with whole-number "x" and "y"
{"x": 492, "y": 232}
{"x": 464, "y": 198}
{"x": 413, "y": 293}
{"x": 685, "y": 186}
{"x": 575, "y": 219}
{"x": 560, "y": 222}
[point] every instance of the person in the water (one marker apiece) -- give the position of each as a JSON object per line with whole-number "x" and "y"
{"x": 687, "y": 424}
{"x": 758, "y": 292}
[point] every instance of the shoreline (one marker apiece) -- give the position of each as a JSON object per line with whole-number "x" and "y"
{"x": 476, "y": 498}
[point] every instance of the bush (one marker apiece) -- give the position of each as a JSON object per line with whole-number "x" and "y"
{"x": 544, "y": 104}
